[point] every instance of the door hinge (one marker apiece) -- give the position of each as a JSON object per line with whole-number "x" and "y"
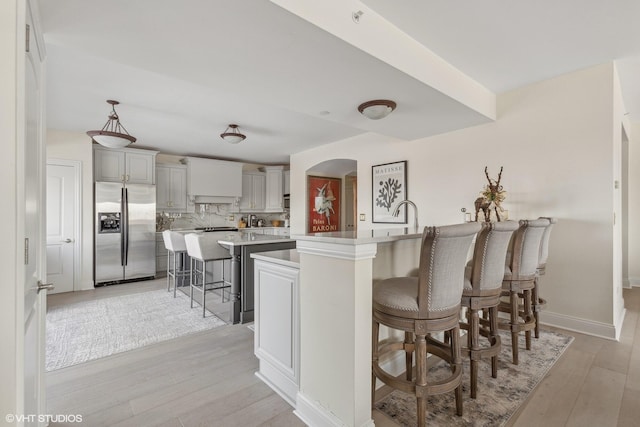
{"x": 26, "y": 250}
{"x": 27, "y": 38}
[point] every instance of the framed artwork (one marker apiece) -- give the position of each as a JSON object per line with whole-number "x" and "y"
{"x": 389, "y": 187}
{"x": 323, "y": 204}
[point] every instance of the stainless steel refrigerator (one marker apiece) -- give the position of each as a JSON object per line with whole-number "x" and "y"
{"x": 124, "y": 232}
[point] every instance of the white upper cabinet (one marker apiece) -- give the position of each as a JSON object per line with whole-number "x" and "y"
{"x": 171, "y": 188}
{"x": 253, "y": 192}
{"x": 274, "y": 188}
{"x": 128, "y": 165}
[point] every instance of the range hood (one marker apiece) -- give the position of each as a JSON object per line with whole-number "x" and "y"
{"x": 211, "y": 181}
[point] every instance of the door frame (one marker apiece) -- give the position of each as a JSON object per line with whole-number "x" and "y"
{"x": 77, "y": 227}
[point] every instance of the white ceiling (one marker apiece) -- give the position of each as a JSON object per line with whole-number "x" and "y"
{"x": 184, "y": 70}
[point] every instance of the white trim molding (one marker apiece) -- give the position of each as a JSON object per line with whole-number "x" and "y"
{"x": 634, "y": 282}
{"x": 313, "y": 414}
{"x": 584, "y": 326}
{"x": 352, "y": 252}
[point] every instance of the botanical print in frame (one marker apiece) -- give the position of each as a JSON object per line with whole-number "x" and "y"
{"x": 389, "y": 187}
{"x": 323, "y": 204}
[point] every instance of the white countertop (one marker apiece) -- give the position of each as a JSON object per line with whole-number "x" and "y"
{"x": 248, "y": 238}
{"x": 362, "y": 236}
{"x": 287, "y": 258}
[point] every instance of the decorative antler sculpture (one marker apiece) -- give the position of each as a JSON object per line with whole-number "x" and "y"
{"x": 491, "y": 197}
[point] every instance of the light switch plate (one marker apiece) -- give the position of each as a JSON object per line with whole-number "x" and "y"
{"x": 362, "y": 217}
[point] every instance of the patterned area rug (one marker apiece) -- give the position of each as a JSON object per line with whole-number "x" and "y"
{"x": 498, "y": 398}
{"x": 85, "y": 331}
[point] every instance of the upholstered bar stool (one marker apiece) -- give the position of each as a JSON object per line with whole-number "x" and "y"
{"x": 518, "y": 281}
{"x": 420, "y": 306}
{"x": 177, "y": 259}
{"x": 482, "y": 289}
{"x": 203, "y": 249}
{"x": 538, "y": 303}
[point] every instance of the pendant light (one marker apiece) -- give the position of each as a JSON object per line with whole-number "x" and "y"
{"x": 232, "y": 134}
{"x": 112, "y": 134}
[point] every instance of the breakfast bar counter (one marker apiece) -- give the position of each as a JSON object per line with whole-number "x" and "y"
{"x": 337, "y": 271}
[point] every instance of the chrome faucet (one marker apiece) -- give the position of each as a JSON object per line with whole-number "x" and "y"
{"x": 396, "y": 212}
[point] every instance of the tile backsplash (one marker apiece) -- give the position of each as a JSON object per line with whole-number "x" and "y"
{"x": 211, "y": 215}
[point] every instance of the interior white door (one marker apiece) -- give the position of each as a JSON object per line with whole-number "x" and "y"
{"x": 34, "y": 265}
{"x": 62, "y": 202}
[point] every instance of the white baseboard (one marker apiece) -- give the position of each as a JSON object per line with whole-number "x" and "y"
{"x": 312, "y": 414}
{"x": 634, "y": 282}
{"x": 584, "y": 326}
{"x": 619, "y": 322}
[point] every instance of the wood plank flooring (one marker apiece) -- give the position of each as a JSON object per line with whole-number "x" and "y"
{"x": 207, "y": 379}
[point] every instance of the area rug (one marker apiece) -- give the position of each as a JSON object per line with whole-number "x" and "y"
{"x": 498, "y": 398}
{"x": 85, "y": 331}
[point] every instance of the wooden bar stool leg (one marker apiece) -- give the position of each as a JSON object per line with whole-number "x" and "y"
{"x": 528, "y": 316}
{"x": 375, "y": 332}
{"x": 474, "y": 333}
{"x": 408, "y": 355}
{"x": 457, "y": 362}
{"x": 536, "y": 313}
{"x": 421, "y": 378}
{"x": 493, "y": 332}
{"x": 513, "y": 297}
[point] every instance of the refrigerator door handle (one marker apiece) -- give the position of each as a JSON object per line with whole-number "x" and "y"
{"x": 126, "y": 226}
{"x": 122, "y": 232}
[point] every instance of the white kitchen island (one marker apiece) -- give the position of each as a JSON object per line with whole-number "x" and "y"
{"x": 337, "y": 271}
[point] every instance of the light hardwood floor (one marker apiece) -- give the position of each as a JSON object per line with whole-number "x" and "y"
{"x": 207, "y": 379}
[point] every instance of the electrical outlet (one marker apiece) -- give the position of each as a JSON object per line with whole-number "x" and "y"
{"x": 362, "y": 217}
{"x": 231, "y": 218}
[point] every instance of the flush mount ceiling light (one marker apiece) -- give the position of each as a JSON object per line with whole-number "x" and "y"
{"x": 377, "y": 109}
{"x": 113, "y": 134}
{"x": 232, "y": 135}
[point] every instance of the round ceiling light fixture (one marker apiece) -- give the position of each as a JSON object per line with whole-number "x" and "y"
{"x": 377, "y": 109}
{"x": 232, "y": 134}
{"x": 112, "y": 134}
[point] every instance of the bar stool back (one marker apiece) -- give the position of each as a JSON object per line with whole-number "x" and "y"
{"x": 518, "y": 282}
{"x": 482, "y": 289}
{"x": 178, "y": 264}
{"x": 204, "y": 249}
{"x": 538, "y": 303}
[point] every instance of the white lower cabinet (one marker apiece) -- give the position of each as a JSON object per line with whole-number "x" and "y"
{"x": 277, "y": 321}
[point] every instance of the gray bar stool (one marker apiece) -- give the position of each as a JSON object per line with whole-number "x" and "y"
{"x": 177, "y": 259}
{"x": 203, "y": 249}
{"x": 422, "y": 306}
{"x": 481, "y": 292}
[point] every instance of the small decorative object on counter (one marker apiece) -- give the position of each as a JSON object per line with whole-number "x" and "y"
{"x": 164, "y": 220}
{"x": 491, "y": 198}
{"x": 242, "y": 223}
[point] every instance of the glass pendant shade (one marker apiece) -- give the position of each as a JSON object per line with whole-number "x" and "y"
{"x": 377, "y": 109}
{"x": 112, "y": 134}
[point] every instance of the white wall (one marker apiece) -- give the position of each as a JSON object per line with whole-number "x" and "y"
{"x": 77, "y": 146}
{"x": 555, "y": 141}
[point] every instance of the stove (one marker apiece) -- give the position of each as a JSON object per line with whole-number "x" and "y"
{"x": 208, "y": 229}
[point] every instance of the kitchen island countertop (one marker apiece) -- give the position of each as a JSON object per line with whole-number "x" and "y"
{"x": 249, "y": 238}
